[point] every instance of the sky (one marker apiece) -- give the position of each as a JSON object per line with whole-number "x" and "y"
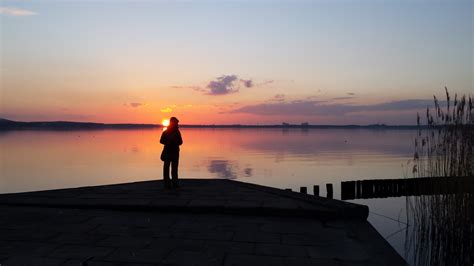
{"x": 232, "y": 62}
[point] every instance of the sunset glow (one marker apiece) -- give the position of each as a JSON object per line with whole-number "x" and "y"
{"x": 342, "y": 100}
{"x": 328, "y": 63}
{"x": 165, "y": 123}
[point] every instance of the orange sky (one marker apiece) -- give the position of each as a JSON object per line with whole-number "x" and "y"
{"x": 246, "y": 63}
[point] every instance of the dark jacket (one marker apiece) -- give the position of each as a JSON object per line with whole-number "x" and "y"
{"x": 171, "y": 138}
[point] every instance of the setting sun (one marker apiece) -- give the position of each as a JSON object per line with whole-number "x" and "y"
{"x": 165, "y": 123}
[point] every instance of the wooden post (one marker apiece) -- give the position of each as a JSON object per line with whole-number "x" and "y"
{"x": 353, "y": 188}
{"x": 366, "y": 189}
{"x": 316, "y": 190}
{"x": 329, "y": 191}
{"x": 347, "y": 190}
{"x": 358, "y": 189}
{"x": 303, "y": 190}
{"x": 344, "y": 190}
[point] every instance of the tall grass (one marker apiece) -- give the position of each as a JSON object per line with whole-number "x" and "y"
{"x": 442, "y": 226}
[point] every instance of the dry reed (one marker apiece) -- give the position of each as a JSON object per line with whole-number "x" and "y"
{"x": 441, "y": 226}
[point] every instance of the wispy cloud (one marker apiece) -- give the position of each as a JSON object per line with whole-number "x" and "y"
{"x": 311, "y": 107}
{"x": 196, "y": 88}
{"x": 278, "y": 98}
{"x": 135, "y": 104}
{"x": 342, "y": 98}
{"x": 16, "y": 12}
{"x": 166, "y": 110}
{"x": 266, "y": 82}
{"x": 248, "y": 83}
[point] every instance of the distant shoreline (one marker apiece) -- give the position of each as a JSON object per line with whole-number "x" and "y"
{"x": 69, "y": 125}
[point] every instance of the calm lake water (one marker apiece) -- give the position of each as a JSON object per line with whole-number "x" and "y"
{"x": 282, "y": 158}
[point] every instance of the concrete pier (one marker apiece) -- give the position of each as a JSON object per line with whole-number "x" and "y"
{"x": 205, "y": 222}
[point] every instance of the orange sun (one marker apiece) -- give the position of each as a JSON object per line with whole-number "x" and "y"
{"x": 165, "y": 123}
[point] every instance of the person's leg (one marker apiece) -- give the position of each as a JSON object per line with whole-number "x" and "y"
{"x": 166, "y": 174}
{"x": 174, "y": 172}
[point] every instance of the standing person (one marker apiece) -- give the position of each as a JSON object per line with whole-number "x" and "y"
{"x": 171, "y": 138}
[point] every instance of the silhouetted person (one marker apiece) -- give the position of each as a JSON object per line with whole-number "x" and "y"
{"x": 171, "y": 138}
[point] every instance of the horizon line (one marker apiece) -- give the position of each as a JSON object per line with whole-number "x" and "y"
{"x": 283, "y": 124}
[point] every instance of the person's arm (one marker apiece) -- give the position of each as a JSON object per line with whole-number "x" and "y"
{"x": 163, "y": 138}
{"x": 180, "y": 140}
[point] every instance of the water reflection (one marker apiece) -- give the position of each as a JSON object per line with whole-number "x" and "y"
{"x": 222, "y": 169}
{"x": 313, "y": 142}
{"x": 227, "y": 169}
{"x": 134, "y": 149}
{"x": 275, "y": 157}
{"x": 288, "y": 158}
{"x": 248, "y": 172}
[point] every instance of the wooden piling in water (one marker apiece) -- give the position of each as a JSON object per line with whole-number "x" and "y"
{"x": 316, "y": 190}
{"x": 329, "y": 191}
{"x": 382, "y": 188}
{"x": 358, "y": 189}
{"x": 348, "y": 190}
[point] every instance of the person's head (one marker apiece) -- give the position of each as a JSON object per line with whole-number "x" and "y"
{"x": 174, "y": 121}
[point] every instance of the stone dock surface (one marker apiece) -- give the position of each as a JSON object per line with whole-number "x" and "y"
{"x": 205, "y": 222}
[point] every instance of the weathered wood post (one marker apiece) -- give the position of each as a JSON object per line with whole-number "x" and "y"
{"x": 358, "y": 189}
{"x": 366, "y": 189}
{"x": 354, "y": 189}
{"x": 316, "y": 190}
{"x": 349, "y": 190}
{"x": 394, "y": 187}
{"x": 329, "y": 190}
{"x": 345, "y": 190}
{"x": 303, "y": 190}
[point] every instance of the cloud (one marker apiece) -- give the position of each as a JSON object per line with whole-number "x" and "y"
{"x": 310, "y": 107}
{"x": 134, "y": 104}
{"x": 196, "y": 88}
{"x": 248, "y": 83}
{"x": 266, "y": 82}
{"x": 342, "y": 98}
{"x": 166, "y": 110}
{"x": 16, "y": 12}
{"x": 351, "y": 93}
{"x": 224, "y": 84}
{"x": 278, "y": 98}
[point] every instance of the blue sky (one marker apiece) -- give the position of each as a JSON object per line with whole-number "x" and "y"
{"x": 136, "y": 61}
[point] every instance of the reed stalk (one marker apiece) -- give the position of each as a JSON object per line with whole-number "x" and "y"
{"x": 441, "y": 227}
